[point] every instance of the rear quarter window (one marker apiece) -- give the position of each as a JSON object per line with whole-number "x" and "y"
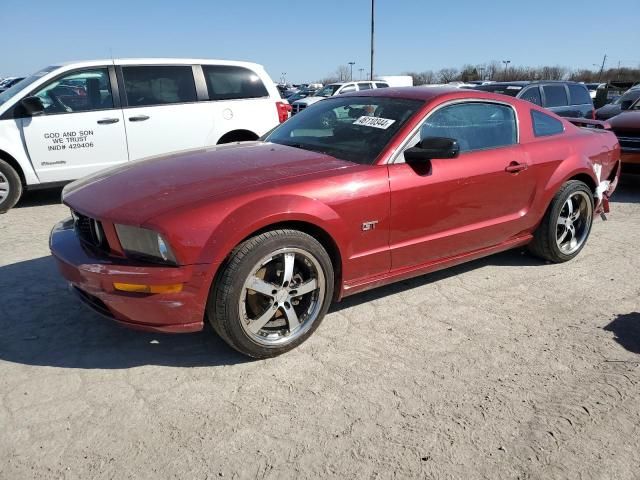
{"x": 579, "y": 95}
{"x": 545, "y": 125}
{"x": 227, "y": 82}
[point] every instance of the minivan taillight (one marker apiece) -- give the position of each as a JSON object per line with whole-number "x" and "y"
{"x": 283, "y": 111}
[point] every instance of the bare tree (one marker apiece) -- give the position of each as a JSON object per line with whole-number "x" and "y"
{"x": 447, "y": 75}
{"x": 343, "y": 73}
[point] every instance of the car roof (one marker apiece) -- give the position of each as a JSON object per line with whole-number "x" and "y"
{"x": 157, "y": 61}
{"x": 417, "y": 93}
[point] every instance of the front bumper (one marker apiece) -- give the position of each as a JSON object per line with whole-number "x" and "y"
{"x": 92, "y": 276}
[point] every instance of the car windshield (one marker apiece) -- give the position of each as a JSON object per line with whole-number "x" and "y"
{"x": 327, "y": 91}
{"x": 511, "y": 90}
{"x": 628, "y": 95}
{"x": 636, "y": 105}
{"x": 355, "y": 129}
{"x": 10, "y": 92}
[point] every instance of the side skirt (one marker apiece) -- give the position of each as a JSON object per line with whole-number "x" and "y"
{"x": 361, "y": 285}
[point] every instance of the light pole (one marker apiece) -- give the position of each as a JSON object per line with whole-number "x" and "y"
{"x": 283, "y": 78}
{"x": 506, "y": 66}
{"x": 373, "y": 9}
{"x": 361, "y": 70}
{"x": 351, "y": 64}
{"x": 481, "y": 72}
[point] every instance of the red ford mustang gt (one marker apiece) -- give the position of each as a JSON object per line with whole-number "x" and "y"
{"x": 355, "y": 192}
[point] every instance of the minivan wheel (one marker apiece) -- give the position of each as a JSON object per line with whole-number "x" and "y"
{"x": 566, "y": 224}
{"x": 272, "y": 294}
{"x": 10, "y": 187}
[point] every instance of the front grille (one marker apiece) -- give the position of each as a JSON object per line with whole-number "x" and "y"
{"x": 629, "y": 142}
{"x": 297, "y": 107}
{"x": 89, "y": 230}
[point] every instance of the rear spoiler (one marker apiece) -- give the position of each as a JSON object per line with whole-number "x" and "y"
{"x": 588, "y": 123}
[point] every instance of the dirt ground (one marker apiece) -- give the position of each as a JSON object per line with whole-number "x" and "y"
{"x": 501, "y": 368}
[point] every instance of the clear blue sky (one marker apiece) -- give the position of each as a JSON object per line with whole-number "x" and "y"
{"x": 309, "y": 39}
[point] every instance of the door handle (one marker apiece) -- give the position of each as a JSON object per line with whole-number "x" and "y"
{"x": 515, "y": 167}
{"x": 139, "y": 118}
{"x": 107, "y": 121}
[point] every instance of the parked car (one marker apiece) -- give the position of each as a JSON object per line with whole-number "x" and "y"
{"x": 259, "y": 238}
{"x": 614, "y": 108}
{"x": 65, "y": 122}
{"x": 9, "y": 82}
{"x": 593, "y": 89}
{"x": 567, "y": 99}
{"x": 335, "y": 89}
{"x": 626, "y": 125}
{"x": 300, "y": 94}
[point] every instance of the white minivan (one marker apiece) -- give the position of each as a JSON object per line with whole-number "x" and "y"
{"x": 67, "y": 121}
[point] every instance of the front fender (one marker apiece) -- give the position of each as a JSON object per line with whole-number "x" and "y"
{"x": 257, "y": 214}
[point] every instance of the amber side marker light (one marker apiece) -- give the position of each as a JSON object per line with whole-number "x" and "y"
{"x": 137, "y": 288}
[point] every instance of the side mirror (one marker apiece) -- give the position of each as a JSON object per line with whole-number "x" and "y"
{"x": 32, "y": 106}
{"x": 625, "y": 105}
{"x": 430, "y": 148}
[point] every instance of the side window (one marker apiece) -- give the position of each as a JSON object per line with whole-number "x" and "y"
{"x": 532, "y": 94}
{"x": 382, "y": 85}
{"x": 348, "y": 88}
{"x": 159, "y": 85}
{"x": 555, "y": 96}
{"x": 545, "y": 125}
{"x": 475, "y": 125}
{"x": 579, "y": 95}
{"x": 80, "y": 91}
{"x": 364, "y": 86}
{"x": 226, "y": 82}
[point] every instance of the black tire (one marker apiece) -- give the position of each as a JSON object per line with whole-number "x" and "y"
{"x": 544, "y": 243}
{"x": 223, "y": 309}
{"x": 15, "y": 187}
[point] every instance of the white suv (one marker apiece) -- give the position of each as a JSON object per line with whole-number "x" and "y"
{"x": 335, "y": 89}
{"x": 68, "y": 121}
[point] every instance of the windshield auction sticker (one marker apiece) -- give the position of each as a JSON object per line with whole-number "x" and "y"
{"x": 375, "y": 122}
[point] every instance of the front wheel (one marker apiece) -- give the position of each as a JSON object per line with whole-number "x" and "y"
{"x": 10, "y": 186}
{"x": 566, "y": 225}
{"x": 272, "y": 294}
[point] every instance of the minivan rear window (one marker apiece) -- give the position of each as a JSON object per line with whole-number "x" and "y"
{"x": 228, "y": 82}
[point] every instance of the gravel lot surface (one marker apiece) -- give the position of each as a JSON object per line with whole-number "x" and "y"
{"x": 501, "y": 368}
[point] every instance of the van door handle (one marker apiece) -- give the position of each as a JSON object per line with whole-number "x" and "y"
{"x": 139, "y": 118}
{"x": 107, "y": 121}
{"x": 515, "y": 167}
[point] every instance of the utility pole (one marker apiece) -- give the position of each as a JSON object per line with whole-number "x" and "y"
{"x": 602, "y": 67}
{"x": 351, "y": 64}
{"x": 373, "y": 9}
{"x": 506, "y": 66}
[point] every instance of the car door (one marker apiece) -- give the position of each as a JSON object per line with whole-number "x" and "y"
{"x": 161, "y": 110}
{"x": 81, "y": 129}
{"x": 474, "y": 201}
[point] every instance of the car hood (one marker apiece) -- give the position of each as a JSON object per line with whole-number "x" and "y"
{"x": 309, "y": 100}
{"x": 139, "y": 191}
{"x": 607, "y": 111}
{"x": 627, "y": 121}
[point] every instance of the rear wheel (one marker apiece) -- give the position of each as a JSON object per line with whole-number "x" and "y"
{"x": 272, "y": 294}
{"x": 566, "y": 224}
{"x": 10, "y": 186}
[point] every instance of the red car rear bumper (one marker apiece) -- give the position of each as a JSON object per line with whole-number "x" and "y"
{"x": 92, "y": 277}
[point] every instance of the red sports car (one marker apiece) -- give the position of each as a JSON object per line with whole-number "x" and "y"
{"x": 358, "y": 191}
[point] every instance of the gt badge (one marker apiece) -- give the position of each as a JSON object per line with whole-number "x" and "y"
{"x": 369, "y": 225}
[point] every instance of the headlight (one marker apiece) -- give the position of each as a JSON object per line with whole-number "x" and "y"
{"x": 145, "y": 243}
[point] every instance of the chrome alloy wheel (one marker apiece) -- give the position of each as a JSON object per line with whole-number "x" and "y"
{"x": 5, "y": 188}
{"x": 574, "y": 222}
{"x": 282, "y": 296}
